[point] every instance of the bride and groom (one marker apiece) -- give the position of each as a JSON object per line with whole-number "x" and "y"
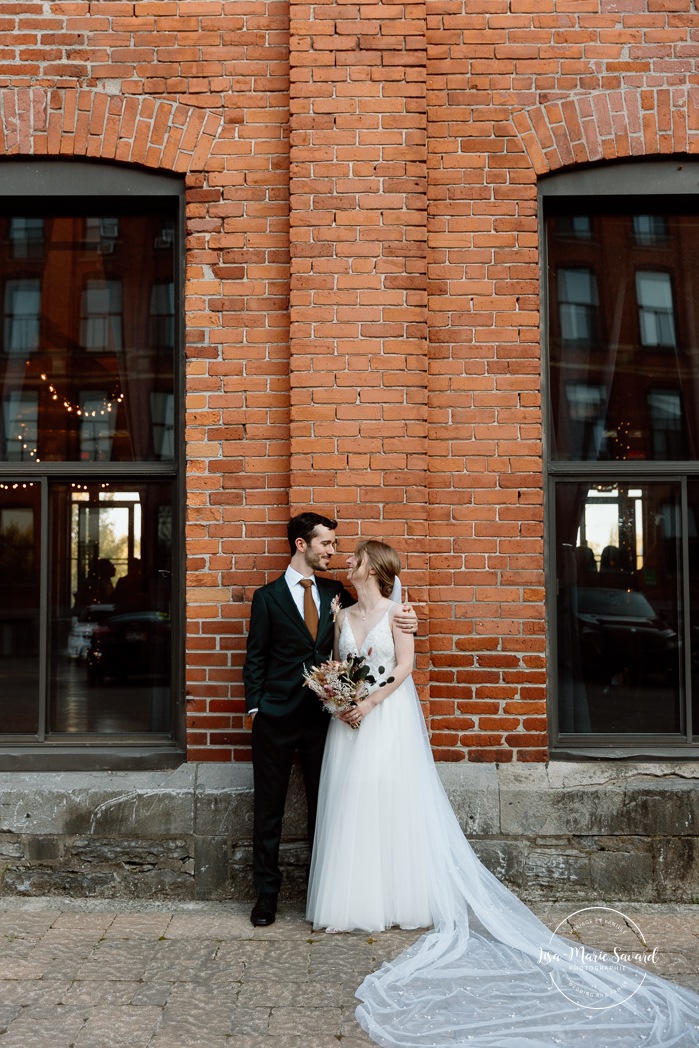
{"x": 388, "y": 849}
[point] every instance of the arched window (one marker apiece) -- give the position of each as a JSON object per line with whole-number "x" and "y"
{"x": 90, "y": 443}
{"x": 621, "y": 265}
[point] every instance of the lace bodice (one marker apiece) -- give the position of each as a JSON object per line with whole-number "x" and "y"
{"x": 378, "y": 647}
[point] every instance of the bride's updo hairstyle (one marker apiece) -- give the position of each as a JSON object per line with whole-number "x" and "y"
{"x": 383, "y": 559}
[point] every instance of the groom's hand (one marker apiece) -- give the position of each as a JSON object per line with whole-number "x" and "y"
{"x": 406, "y": 619}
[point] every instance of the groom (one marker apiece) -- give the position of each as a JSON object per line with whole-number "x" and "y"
{"x": 291, "y": 629}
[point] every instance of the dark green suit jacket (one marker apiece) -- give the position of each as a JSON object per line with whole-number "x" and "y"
{"x": 280, "y": 646}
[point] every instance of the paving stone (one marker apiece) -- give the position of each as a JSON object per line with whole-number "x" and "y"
{"x": 207, "y": 988}
{"x": 225, "y": 926}
{"x": 205, "y": 1015}
{"x": 117, "y": 959}
{"x": 101, "y": 992}
{"x": 54, "y": 1028}
{"x": 115, "y": 1027}
{"x": 183, "y": 961}
{"x": 171, "y": 1039}
{"x": 89, "y": 923}
{"x": 155, "y": 993}
{"x": 8, "y": 1015}
{"x": 138, "y": 926}
{"x": 250, "y": 1021}
{"x": 315, "y": 1023}
{"x": 23, "y": 992}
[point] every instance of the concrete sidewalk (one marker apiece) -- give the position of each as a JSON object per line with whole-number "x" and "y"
{"x": 110, "y": 974}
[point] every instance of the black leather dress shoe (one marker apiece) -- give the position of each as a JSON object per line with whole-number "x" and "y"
{"x": 264, "y": 911}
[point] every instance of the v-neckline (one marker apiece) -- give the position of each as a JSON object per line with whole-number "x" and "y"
{"x": 368, "y": 633}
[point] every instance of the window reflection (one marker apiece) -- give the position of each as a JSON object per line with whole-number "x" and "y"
{"x": 586, "y": 409}
{"x": 667, "y": 424}
{"x": 110, "y": 662}
{"x": 96, "y": 428}
{"x": 101, "y": 315}
{"x": 619, "y": 622}
{"x": 20, "y": 526}
{"x": 20, "y": 412}
{"x": 89, "y": 327}
{"x": 162, "y": 315}
{"x": 22, "y": 313}
{"x": 27, "y": 237}
{"x": 101, "y": 234}
{"x": 656, "y": 316}
{"x": 577, "y": 303}
{"x": 624, "y": 364}
{"x": 650, "y": 230}
{"x": 578, "y": 227}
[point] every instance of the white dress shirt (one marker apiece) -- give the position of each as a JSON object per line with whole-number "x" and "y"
{"x": 293, "y": 579}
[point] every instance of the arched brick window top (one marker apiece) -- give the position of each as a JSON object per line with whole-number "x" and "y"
{"x": 608, "y": 125}
{"x": 36, "y": 121}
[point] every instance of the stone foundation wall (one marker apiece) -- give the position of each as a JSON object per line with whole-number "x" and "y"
{"x": 598, "y": 830}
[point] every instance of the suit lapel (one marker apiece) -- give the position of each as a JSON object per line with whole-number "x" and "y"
{"x": 280, "y": 592}
{"x": 324, "y": 613}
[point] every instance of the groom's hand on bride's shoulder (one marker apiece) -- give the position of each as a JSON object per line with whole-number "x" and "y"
{"x": 406, "y": 619}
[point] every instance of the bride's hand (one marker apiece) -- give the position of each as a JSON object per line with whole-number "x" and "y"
{"x": 356, "y": 715}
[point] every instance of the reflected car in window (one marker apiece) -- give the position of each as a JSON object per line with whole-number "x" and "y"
{"x": 135, "y": 644}
{"x": 622, "y": 638}
{"x": 82, "y": 627}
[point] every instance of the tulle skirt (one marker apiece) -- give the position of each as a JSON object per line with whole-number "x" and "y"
{"x": 389, "y": 851}
{"x": 369, "y": 869}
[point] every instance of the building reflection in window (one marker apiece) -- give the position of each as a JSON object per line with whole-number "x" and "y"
{"x": 20, "y": 413}
{"x": 666, "y": 421}
{"x": 101, "y": 327}
{"x": 91, "y": 315}
{"x": 630, "y": 332}
{"x": 27, "y": 237}
{"x": 650, "y": 230}
{"x": 162, "y": 315}
{"x": 163, "y": 412}
{"x": 22, "y": 315}
{"x": 87, "y": 375}
{"x": 655, "y": 312}
{"x": 577, "y": 227}
{"x": 577, "y": 304}
{"x": 586, "y": 411}
{"x": 96, "y": 428}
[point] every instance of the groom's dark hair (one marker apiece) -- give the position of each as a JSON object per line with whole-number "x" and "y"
{"x": 303, "y": 525}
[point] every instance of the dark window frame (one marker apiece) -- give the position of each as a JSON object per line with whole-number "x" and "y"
{"x": 622, "y": 179}
{"x": 84, "y": 179}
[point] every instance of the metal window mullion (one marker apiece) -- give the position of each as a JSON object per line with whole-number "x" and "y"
{"x": 44, "y": 610}
{"x": 687, "y": 612}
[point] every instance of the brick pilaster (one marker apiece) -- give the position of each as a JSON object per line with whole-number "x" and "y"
{"x": 358, "y": 277}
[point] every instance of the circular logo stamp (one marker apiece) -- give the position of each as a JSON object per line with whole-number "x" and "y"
{"x": 597, "y": 958}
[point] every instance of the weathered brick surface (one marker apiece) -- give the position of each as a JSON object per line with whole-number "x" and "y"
{"x": 362, "y": 295}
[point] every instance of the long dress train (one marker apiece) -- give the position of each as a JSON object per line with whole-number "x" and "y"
{"x": 389, "y": 850}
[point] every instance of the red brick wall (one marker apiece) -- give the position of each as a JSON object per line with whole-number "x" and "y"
{"x": 362, "y": 287}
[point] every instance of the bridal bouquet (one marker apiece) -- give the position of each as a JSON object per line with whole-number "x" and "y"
{"x": 340, "y": 684}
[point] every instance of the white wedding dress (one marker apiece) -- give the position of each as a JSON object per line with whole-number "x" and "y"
{"x": 389, "y": 851}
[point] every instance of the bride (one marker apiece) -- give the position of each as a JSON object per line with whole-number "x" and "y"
{"x": 389, "y": 851}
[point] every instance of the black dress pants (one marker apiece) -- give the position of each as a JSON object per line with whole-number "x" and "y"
{"x": 275, "y": 741}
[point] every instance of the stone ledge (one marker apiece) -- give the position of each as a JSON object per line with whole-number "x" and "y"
{"x": 572, "y": 830}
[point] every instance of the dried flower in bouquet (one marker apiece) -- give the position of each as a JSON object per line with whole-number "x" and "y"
{"x": 340, "y": 684}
